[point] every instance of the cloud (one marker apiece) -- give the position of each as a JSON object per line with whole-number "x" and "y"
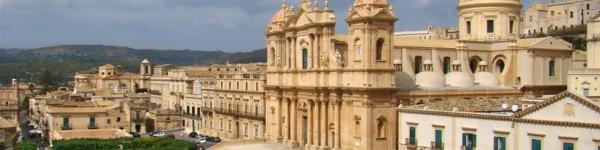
{"x": 175, "y": 24}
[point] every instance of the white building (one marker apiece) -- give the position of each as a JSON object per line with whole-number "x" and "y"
{"x": 586, "y": 81}
{"x": 566, "y": 121}
{"x": 558, "y": 15}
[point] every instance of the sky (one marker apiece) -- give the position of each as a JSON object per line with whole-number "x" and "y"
{"x": 228, "y": 25}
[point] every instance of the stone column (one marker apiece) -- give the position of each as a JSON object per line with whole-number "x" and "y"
{"x": 310, "y": 125}
{"x": 531, "y": 68}
{"x": 278, "y": 118}
{"x": 286, "y": 124}
{"x": 316, "y": 119}
{"x": 294, "y": 52}
{"x": 338, "y": 122}
{"x": 294, "y": 121}
{"x": 324, "y": 123}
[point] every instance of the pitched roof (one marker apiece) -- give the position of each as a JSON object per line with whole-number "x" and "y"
{"x": 583, "y": 100}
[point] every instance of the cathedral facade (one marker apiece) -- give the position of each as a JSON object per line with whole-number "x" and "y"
{"x": 341, "y": 91}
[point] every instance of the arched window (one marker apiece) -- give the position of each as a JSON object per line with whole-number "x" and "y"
{"x": 379, "y": 50}
{"x": 418, "y": 64}
{"x": 500, "y": 65}
{"x": 447, "y": 65}
{"x": 358, "y": 49}
{"x": 357, "y": 129}
{"x": 473, "y": 63}
{"x": 273, "y": 59}
{"x": 551, "y": 68}
{"x": 381, "y": 127}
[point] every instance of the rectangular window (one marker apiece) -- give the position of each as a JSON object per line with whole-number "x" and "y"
{"x": 499, "y": 143}
{"x": 304, "y": 58}
{"x": 511, "y": 27}
{"x": 490, "y": 26}
{"x": 568, "y": 146}
{"x": 536, "y": 144}
{"x": 552, "y": 68}
{"x": 412, "y": 136}
{"x": 469, "y": 141}
{"x": 438, "y": 139}
{"x": 468, "y": 27}
{"x": 65, "y": 122}
{"x": 587, "y": 6}
{"x": 586, "y": 92}
{"x": 551, "y": 13}
{"x": 571, "y": 14}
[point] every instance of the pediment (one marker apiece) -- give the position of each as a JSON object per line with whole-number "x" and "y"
{"x": 552, "y": 43}
{"x": 565, "y": 107}
{"x": 301, "y": 18}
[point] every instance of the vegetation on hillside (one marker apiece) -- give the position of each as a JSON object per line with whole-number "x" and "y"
{"x": 65, "y": 61}
{"x": 147, "y": 143}
{"x": 575, "y": 35}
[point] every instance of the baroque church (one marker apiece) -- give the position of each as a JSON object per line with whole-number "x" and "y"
{"x": 341, "y": 91}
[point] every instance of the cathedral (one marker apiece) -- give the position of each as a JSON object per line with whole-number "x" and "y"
{"x": 341, "y": 91}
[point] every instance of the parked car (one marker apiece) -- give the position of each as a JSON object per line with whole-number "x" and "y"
{"x": 201, "y": 140}
{"x": 193, "y": 135}
{"x": 159, "y": 134}
{"x": 135, "y": 134}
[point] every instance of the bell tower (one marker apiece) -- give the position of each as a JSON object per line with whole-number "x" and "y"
{"x": 370, "y": 41}
{"x": 145, "y": 68}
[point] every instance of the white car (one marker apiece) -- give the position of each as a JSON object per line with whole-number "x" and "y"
{"x": 159, "y": 134}
{"x": 201, "y": 139}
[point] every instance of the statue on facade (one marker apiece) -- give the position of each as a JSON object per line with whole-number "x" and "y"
{"x": 339, "y": 58}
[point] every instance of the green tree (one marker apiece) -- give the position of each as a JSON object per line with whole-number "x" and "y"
{"x": 47, "y": 80}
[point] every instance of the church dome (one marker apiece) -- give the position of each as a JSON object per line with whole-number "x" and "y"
{"x": 429, "y": 80}
{"x": 459, "y": 79}
{"x": 279, "y": 16}
{"x": 486, "y": 79}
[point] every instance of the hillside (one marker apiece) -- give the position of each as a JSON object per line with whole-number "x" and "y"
{"x": 66, "y": 60}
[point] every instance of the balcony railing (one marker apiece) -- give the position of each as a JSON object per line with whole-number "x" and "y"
{"x": 436, "y": 146}
{"x": 8, "y": 108}
{"x": 240, "y": 114}
{"x": 92, "y": 126}
{"x": 411, "y": 143}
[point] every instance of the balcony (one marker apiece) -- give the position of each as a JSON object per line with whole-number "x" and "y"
{"x": 240, "y": 114}
{"x": 8, "y": 108}
{"x": 411, "y": 143}
{"x": 92, "y": 126}
{"x": 154, "y": 92}
{"x": 435, "y": 146}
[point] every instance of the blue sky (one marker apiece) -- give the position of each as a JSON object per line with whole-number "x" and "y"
{"x": 229, "y": 25}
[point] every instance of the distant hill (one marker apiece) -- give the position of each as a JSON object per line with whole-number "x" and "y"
{"x": 66, "y": 60}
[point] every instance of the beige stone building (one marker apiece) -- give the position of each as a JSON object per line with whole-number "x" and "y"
{"x": 9, "y": 99}
{"x": 586, "y": 81}
{"x": 565, "y": 121}
{"x": 239, "y": 108}
{"x": 338, "y": 91}
{"x": 226, "y": 101}
{"x": 558, "y": 15}
{"x": 431, "y": 33}
{"x": 73, "y": 118}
